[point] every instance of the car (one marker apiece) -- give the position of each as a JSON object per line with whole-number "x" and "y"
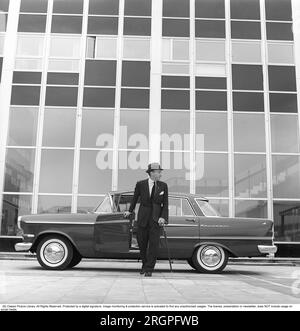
{"x": 196, "y": 232}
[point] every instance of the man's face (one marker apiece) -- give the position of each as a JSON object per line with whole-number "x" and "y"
{"x": 155, "y": 174}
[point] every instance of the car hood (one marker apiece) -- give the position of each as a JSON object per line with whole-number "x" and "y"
{"x": 68, "y": 217}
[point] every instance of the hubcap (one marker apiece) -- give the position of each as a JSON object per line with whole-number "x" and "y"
{"x": 211, "y": 256}
{"x": 54, "y": 252}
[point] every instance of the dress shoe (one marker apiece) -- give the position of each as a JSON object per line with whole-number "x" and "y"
{"x": 142, "y": 271}
{"x": 148, "y": 274}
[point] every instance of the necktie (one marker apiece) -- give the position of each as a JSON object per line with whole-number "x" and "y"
{"x": 152, "y": 191}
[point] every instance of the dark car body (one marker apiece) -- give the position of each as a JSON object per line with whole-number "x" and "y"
{"x": 106, "y": 233}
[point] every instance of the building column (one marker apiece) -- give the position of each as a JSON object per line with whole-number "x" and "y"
{"x": 10, "y": 44}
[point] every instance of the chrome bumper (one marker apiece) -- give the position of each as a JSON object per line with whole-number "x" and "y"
{"x": 23, "y": 247}
{"x": 267, "y": 249}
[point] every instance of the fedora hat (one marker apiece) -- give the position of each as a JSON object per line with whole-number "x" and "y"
{"x": 153, "y": 166}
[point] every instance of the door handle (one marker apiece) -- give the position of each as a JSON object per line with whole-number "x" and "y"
{"x": 190, "y": 219}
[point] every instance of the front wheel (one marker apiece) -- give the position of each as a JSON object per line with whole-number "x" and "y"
{"x": 210, "y": 258}
{"x": 54, "y": 253}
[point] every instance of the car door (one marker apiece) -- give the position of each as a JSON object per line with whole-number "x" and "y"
{"x": 112, "y": 229}
{"x": 182, "y": 231}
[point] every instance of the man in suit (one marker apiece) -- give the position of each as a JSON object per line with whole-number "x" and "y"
{"x": 152, "y": 215}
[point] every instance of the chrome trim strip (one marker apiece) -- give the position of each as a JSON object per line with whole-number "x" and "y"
{"x": 55, "y": 222}
{"x": 182, "y": 225}
{"x": 267, "y": 249}
{"x": 22, "y": 247}
{"x": 237, "y": 238}
{"x": 287, "y": 242}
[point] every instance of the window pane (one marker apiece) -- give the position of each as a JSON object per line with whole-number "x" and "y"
{"x": 99, "y": 97}
{"x": 176, "y": 28}
{"x": 213, "y": 70}
{"x": 175, "y": 130}
{"x": 134, "y": 131}
{"x": 62, "y": 78}
{"x": 95, "y": 174}
{"x": 96, "y": 125}
{"x": 32, "y": 23}
{"x": 106, "y": 47}
{"x": 61, "y": 96}
{"x": 285, "y": 103}
{"x": 279, "y": 31}
{"x": 247, "y": 77}
{"x": 2, "y": 38}
{"x": 136, "y": 73}
{"x": 213, "y": 127}
{"x": 103, "y": 25}
{"x": 286, "y": 221}
{"x": 100, "y": 73}
{"x": 210, "y": 8}
{"x": 53, "y": 204}
{"x": 212, "y": 174}
{"x": 246, "y": 51}
{"x": 175, "y": 207}
{"x": 138, "y": 7}
{"x": 245, "y": 30}
{"x": 134, "y": 98}
{"x": 88, "y": 203}
{"x": 286, "y": 176}
{"x": 281, "y": 53}
{"x": 59, "y": 127}
{"x": 34, "y": 6}
{"x": 104, "y": 7}
{"x": 249, "y": 133}
{"x": 19, "y": 167}
{"x": 282, "y": 78}
{"x": 211, "y": 100}
{"x": 175, "y": 81}
{"x": 211, "y": 83}
{"x": 250, "y": 177}
{"x": 137, "y": 26}
{"x": 175, "y": 99}
{"x": 176, "y": 8}
{"x": 186, "y": 208}
{"x": 180, "y": 50}
{"x": 175, "y": 68}
{"x": 285, "y": 134}
{"x": 210, "y": 51}
{"x": 28, "y": 64}
{"x": 245, "y": 9}
{"x": 132, "y": 167}
{"x": 68, "y": 6}
{"x": 177, "y": 170}
{"x": 210, "y": 29}
{"x": 30, "y": 46}
{"x": 248, "y": 101}
{"x": 63, "y": 65}
{"x": 136, "y": 48}
{"x": 66, "y": 24}
{"x": 278, "y": 10}
{"x": 13, "y": 207}
{"x": 25, "y": 95}
{"x": 65, "y": 47}
{"x": 251, "y": 209}
{"x": 221, "y": 206}
{"x": 22, "y": 126}
{"x": 56, "y": 177}
{"x": 27, "y": 77}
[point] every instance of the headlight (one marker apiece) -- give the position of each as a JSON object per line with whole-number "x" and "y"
{"x": 19, "y": 222}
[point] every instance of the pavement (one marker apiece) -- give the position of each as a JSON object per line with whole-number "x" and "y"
{"x": 119, "y": 282}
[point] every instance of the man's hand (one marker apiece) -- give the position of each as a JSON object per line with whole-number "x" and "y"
{"x": 127, "y": 214}
{"x": 161, "y": 221}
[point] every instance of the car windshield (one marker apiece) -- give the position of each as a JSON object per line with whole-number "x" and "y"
{"x": 206, "y": 208}
{"x": 104, "y": 207}
{"x": 122, "y": 202}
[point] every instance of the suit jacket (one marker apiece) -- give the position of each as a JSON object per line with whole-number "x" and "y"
{"x": 150, "y": 210}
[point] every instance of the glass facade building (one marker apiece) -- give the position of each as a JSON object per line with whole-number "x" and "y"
{"x": 218, "y": 79}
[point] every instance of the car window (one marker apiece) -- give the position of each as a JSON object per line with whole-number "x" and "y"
{"x": 180, "y": 207}
{"x": 104, "y": 207}
{"x": 186, "y": 208}
{"x": 122, "y": 202}
{"x": 206, "y": 208}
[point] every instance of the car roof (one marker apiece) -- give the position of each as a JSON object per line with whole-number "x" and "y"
{"x": 177, "y": 194}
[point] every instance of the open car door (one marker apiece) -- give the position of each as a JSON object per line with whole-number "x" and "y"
{"x": 112, "y": 230}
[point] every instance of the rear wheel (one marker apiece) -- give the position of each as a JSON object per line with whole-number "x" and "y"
{"x": 54, "y": 252}
{"x": 190, "y": 262}
{"x": 210, "y": 258}
{"x": 75, "y": 260}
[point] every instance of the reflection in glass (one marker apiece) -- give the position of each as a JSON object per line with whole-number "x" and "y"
{"x": 19, "y": 167}
{"x": 54, "y": 204}
{"x": 285, "y": 133}
{"x": 249, "y": 133}
{"x": 212, "y": 174}
{"x": 22, "y": 126}
{"x": 287, "y": 221}
{"x": 13, "y": 207}
{"x": 95, "y": 172}
{"x": 88, "y": 203}
{"x": 221, "y": 206}
{"x": 250, "y": 176}
{"x": 59, "y": 127}
{"x": 56, "y": 171}
{"x": 246, "y": 51}
{"x": 251, "y": 208}
{"x": 213, "y": 127}
{"x": 286, "y": 176}
{"x": 97, "y": 124}
{"x": 210, "y": 50}
{"x": 177, "y": 171}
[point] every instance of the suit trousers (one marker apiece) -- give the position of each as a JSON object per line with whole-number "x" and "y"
{"x": 148, "y": 240}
